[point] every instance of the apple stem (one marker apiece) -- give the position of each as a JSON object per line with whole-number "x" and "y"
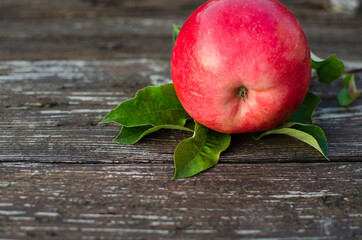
{"x": 242, "y": 93}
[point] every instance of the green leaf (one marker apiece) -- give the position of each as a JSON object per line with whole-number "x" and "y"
{"x": 131, "y": 135}
{"x": 347, "y": 79}
{"x": 199, "y": 152}
{"x": 151, "y": 106}
{"x": 349, "y": 93}
{"x": 310, "y": 134}
{"x": 328, "y": 70}
{"x": 305, "y": 111}
{"x": 176, "y": 31}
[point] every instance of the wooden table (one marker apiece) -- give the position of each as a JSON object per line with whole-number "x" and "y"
{"x": 64, "y": 64}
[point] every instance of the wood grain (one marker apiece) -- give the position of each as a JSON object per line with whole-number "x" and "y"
{"x": 74, "y": 29}
{"x": 310, "y": 201}
{"x": 65, "y": 63}
{"x": 50, "y": 111}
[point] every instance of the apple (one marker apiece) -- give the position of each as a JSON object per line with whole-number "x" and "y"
{"x": 241, "y": 66}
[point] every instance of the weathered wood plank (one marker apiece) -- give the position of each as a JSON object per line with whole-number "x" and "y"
{"x": 22, "y": 9}
{"x": 69, "y": 29}
{"x": 39, "y": 201}
{"x": 50, "y": 110}
{"x": 107, "y": 50}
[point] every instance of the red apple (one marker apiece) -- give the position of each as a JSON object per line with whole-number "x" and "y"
{"x": 241, "y": 65}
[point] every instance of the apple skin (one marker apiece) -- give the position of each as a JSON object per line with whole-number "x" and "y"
{"x": 241, "y": 66}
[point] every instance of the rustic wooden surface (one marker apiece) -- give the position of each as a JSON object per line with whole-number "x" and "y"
{"x": 64, "y": 64}
{"x": 139, "y": 200}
